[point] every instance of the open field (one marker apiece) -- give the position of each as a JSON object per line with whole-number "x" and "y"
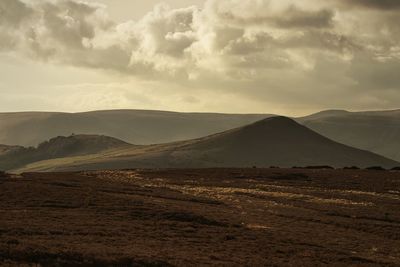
{"x": 224, "y": 217}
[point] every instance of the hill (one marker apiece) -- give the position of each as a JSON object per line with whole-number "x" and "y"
{"x": 276, "y": 141}
{"x": 376, "y": 131}
{"x": 58, "y": 147}
{"x": 134, "y": 126}
{"x": 4, "y": 149}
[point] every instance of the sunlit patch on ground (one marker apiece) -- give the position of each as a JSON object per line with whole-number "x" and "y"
{"x": 229, "y": 217}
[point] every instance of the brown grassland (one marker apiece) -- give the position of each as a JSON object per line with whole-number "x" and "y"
{"x": 222, "y": 217}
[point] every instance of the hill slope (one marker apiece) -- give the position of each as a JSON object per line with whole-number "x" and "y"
{"x": 277, "y": 141}
{"x": 58, "y": 147}
{"x": 4, "y": 149}
{"x": 376, "y": 131}
{"x": 133, "y": 126}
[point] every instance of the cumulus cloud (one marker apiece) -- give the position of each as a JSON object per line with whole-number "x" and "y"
{"x": 264, "y": 49}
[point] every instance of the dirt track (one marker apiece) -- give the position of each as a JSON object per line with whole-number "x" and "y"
{"x": 226, "y": 217}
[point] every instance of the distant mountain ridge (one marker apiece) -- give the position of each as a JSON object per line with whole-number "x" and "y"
{"x": 57, "y": 147}
{"x": 376, "y": 131}
{"x": 275, "y": 141}
{"x": 140, "y": 127}
{"x": 4, "y": 149}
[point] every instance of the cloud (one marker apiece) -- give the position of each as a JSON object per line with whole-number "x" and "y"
{"x": 14, "y": 12}
{"x": 12, "y": 15}
{"x": 374, "y": 4}
{"x": 291, "y": 17}
{"x": 265, "y": 50}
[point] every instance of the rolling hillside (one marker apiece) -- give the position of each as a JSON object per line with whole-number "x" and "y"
{"x": 376, "y": 131}
{"x": 276, "y": 141}
{"x": 58, "y": 147}
{"x": 4, "y": 149}
{"x": 134, "y": 126}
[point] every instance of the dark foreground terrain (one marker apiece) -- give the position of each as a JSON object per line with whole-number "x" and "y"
{"x": 224, "y": 217}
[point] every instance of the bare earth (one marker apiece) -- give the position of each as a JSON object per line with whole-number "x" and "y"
{"x": 224, "y": 217}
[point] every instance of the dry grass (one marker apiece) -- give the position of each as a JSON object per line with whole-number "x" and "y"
{"x": 222, "y": 217}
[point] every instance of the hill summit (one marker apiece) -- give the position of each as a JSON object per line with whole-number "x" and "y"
{"x": 75, "y": 145}
{"x": 58, "y": 147}
{"x": 276, "y": 141}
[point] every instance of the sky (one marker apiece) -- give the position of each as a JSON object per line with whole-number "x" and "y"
{"x": 289, "y": 57}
